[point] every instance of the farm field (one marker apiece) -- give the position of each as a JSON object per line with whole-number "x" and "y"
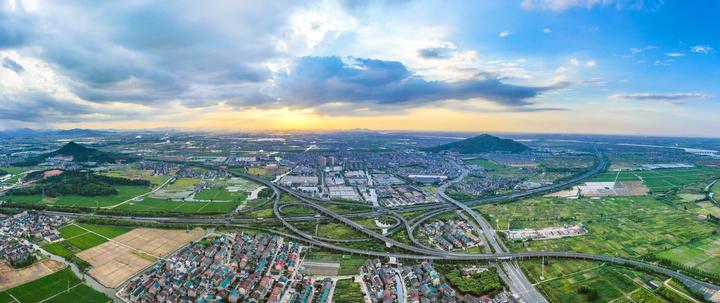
{"x": 11, "y": 277}
{"x": 347, "y": 291}
{"x": 82, "y": 237}
{"x": 658, "y": 180}
{"x": 124, "y": 193}
{"x": 133, "y": 173}
{"x": 630, "y": 227}
{"x": 703, "y": 255}
{"x": 349, "y": 264}
{"x": 487, "y": 164}
{"x": 56, "y": 285}
{"x": 588, "y": 281}
{"x": 161, "y": 205}
{"x": 115, "y": 261}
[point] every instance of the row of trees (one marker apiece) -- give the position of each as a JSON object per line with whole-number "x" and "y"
{"x": 78, "y": 183}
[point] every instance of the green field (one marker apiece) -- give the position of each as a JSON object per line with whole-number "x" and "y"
{"x": 124, "y": 193}
{"x": 632, "y": 227}
{"x": 79, "y": 237}
{"x": 347, "y": 291}
{"x": 133, "y": 173}
{"x": 659, "y": 180}
{"x": 581, "y": 281}
{"x": 183, "y": 183}
{"x": 703, "y": 255}
{"x": 54, "y": 284}
{"x": 349, "y": 264}
{"x": 487, "y": 164}
{"x": 57, "y": 248}
{"x": 161, "y": 205}
{"x": 221, "y": 194}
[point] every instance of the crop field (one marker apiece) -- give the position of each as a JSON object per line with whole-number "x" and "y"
{"x": 221, "y": 194}
{"x": 349, "y": 264}
{"x": 55, "y": 286}
{"x": 124, "y": 193}
{"x": 622, "y": 226}
{"x": 11, "y": 277}
{"x": 183, "y": 183}
{"x": 133, "y": 173}
{"x": 162, "y": 205}
{"x": 115, "y": 261}
{"x": 347, "y": 291}
{"x": 658, "y": 180}
{"x": 81, "y": 237}
{"x": 703, "y": 254}
{"x": 487, "y": 164}
{"x": 600, "y": 282}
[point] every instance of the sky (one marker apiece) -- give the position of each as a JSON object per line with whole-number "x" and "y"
{"x": 641, "y": 67}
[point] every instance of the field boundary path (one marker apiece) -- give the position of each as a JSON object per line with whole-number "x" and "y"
{"x": 140, "y": 196}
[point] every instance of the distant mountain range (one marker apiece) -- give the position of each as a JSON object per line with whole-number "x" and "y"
{"x": 75, "y": 132}
{"x": 480, "y": 144}
{"x": 79, "y": 153}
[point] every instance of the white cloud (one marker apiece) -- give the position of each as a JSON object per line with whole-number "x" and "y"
{"x": 504, "y": 34}
{"x": 675, "y": 54}
{"x": 590, "y": 63}
{"x": 574, "y": 61}
{"x": 546, "y": 30}
{"x": 702, "y": 49}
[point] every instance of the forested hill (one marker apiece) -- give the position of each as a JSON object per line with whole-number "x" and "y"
{"x": 480, "y": 144}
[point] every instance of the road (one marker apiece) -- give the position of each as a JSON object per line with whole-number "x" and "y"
{"x": 417, "y": 252}
{"x": 514, "y": 278}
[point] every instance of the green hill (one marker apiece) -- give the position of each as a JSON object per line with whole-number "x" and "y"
{"x": 480, "y": 144}
{"x": 79, "y": 153}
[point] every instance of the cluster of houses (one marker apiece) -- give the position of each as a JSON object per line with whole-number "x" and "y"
{"x": 247, "y": 268}
{"x": 451, "y": 235}
{"x": 383, "y": 282}
{"x": 17, "y": 252}
{"x": 425, "y": 286}
{"x": 17, "y": 229}
{"x": 307, "y": 291}
{"x": 30, "y": 224}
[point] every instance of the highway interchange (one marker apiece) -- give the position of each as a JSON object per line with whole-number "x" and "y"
{"x": 501, "y": 256}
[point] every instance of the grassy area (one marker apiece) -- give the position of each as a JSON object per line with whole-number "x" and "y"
{"x": 161, "y": 205}
{"x": 659, "y": 180}
{"x": 182, "y": 183}
{"x": 86, "y": 241}
{"x": 124, "y": 193}
{"x": 82, "y": 239}
{"x": 623, "y": 226}
{"x": 55, "y": 284}
{"x": 221, "y": 194}
{"x": 349, "y": 264}
{"x": 487, "y": 164}
{"x": 59, "y": 249}
{"x": 582, "y": 281}
{"x": 347, "y": 291}
{"x": 703, "y": 255}
{"x": 107, "y": 230}
{"x": 134, "y": 173}
{"x": 71, "y": 231}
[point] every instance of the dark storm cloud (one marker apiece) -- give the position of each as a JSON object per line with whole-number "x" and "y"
{"x": 12, "y": 65}
{"x": 433, "y": 52}
{"x": 320, "y": 80}
{"x": 37, "y": 106}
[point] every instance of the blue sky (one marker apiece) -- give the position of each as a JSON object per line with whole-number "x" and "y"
{"x": 591, "y": 66}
